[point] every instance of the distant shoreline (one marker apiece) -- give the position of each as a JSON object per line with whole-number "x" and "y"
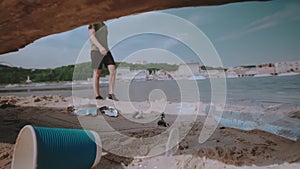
{"x": 281, "y": 89}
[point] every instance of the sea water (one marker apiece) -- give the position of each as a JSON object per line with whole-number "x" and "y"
{"x": 272, "y": 100}
{"x": 281, "y": 89}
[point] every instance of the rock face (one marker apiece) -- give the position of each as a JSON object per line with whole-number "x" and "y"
{"x": 25, "y": 21}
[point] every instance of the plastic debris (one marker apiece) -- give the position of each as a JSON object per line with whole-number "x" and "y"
{"x": 162, "y": 122}
{"x": 86, "y": 111}
{"x": 70, "y": 108}
{"x": 138, "y": 115}
{"x": 109, "y": 111}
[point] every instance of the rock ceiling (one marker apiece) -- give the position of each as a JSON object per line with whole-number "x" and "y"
{"x": 25, "y": 21}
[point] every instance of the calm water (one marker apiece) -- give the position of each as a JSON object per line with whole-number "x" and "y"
{"x": 284, "y": 89}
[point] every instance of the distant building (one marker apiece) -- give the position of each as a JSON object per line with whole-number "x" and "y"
{"x": 28, "y": 80}
{"x": 242, "y": 71}
{"x": 189, "y": 69}
{"x": 283, "y": 67}
{"x": 140, "y": 75}
{"x": 231, "y": 75}
{"x": 163, "y": 75}
{"x": 124, "y": 73}
{"x": 250, "y": 72}
{"x": 215, "y": 74}
{"x": 267, "y": 68}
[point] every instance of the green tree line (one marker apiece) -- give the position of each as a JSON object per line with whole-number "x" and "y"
{"x": 19, "y": 75}
{"x": 68, "y": 73}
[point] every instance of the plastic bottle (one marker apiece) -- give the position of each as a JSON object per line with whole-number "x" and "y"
{"x": 111, "y": 111}
{"x": 86, "y": 111}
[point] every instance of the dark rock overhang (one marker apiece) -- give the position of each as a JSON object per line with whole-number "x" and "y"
{"x": 23, "y": 22}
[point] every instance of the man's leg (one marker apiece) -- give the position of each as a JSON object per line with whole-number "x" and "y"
{"x": 112, "y": 78}
{"x": 96, "y": 77}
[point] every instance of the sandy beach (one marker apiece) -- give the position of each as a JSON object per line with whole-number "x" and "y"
{"x": 225, "y": 148}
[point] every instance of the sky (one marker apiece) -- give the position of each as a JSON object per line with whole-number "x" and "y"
{"x": 228, "y": 35}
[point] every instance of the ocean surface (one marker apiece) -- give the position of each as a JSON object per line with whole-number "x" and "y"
{"x": 269, "y": 104}
{"x": 281, "y": 89}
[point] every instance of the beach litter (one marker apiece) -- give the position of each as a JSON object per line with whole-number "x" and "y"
{"x": 138, "y": 115}
{"x": 162, "y": 121}
{"x": 84, "y": 108}
{"x": 285, "y": 127}
{"x": 109, "y": 111}
{"x": 59, "y": 148}
{"x": 93, "y": 111}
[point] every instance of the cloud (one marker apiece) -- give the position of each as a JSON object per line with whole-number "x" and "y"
{"x": 37, "y": 56}
{"x": 169, "y": 43}
{"x": 290, "y": 12}
{"x": 72, "y": 39}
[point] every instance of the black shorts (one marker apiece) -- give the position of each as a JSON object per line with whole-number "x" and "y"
{"x": 98, "y": 59}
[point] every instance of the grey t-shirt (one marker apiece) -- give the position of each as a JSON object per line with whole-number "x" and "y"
{"x": 101, "y": 34}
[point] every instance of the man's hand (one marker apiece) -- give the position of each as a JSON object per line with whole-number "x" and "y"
{"x": 94, "y": 40}
{"x": 103, "y": 51}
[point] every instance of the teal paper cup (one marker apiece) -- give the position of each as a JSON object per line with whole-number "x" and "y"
{"x": 56, "y": 148}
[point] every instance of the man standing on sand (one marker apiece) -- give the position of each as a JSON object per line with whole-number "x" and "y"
{"x": 100, "y": 55}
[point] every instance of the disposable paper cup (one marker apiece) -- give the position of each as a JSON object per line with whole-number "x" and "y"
{"x": 56, "y": 148}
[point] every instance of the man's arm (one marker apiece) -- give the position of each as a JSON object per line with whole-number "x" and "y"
{"x": 94, "y": 40}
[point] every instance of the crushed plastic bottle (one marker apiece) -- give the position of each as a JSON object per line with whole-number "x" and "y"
{"x": 109, "y": 111}
{"x": 86, "y": 111}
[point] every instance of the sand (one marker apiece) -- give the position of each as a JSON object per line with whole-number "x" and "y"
{"x": 225, "y": 148}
